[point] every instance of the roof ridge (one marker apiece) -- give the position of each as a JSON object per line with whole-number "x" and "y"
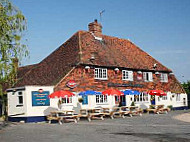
{"x": 28, "y": 65}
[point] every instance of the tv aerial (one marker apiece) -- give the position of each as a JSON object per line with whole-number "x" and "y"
{"x": 101, "y": 12}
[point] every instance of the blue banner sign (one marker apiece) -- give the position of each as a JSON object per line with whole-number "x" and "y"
{"x": 40, "y": 98}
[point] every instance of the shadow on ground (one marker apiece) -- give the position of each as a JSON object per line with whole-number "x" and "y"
{"x": 3, "y": 124}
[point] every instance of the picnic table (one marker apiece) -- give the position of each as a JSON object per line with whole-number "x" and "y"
{"x": 91, "y": 113}
{"x": 157, "y": 109}
{"x": 108, "y": 112}
{"x": 62, "y": 116}
{"x": 135, "y": 110}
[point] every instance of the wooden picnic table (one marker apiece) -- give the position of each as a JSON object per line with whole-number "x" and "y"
{"x": 62, "y": 116}
{"x": 94, "y": 113}
{"x": 157, "y": 109}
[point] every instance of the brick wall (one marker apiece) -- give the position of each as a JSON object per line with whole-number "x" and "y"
{"x": 85, "y": 81}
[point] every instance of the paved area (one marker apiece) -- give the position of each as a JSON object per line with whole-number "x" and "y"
{"x": 148, "y": 128}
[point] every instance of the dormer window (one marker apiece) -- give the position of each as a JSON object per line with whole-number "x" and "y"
{"x": 100, "y": 73}
{"x": 163, "y": 77}
{"x": 127, "y": 75}
{"x": 147, "y": 76}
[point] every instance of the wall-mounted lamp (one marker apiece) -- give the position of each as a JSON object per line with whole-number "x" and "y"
{"x": 139, "y": 72}
{"x": 116, "y": 70}
{"x": 87, "y": 68}
{"x": 157, "y": 73}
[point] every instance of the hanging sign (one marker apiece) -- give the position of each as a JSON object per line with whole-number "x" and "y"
{"x": 71, "y": 84}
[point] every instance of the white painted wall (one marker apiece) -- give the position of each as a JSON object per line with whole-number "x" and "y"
{"x": 28, "y": 110}
{"x": 13, "y": 108}
{"x": 39, "y": 110}
{"x": 172, "y": 100}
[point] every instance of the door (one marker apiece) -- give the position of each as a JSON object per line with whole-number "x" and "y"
{"x": 123, "y": 100}
{"x": 152, "y": 100}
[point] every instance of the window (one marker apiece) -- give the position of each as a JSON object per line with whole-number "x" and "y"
{"x": 101, "y": 99}
{"x": 164, "y": 97}
{"x": 178, "y": 97}
{"x": 117, "y": 98}
{"x": 163, "y": 77}
{"x": 147, "y": 76}
{"x": 100, "y": 73}
{"x": 143, "y": 97}
{"x": 67, "y": 100}
{"x": 127, "y": 75}
{"x": 20, "y": 99}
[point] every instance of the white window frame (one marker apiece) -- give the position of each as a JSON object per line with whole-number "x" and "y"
{"x": 127, "y": 75}
{"x": 147, "y": 76}
{"x": 164, "y": 98}
{"x": 163, "y": 77}
{"x": 143, "y": 97}
{"x": 100, "y": 73}
{"x": 68, "y": 100}
{"x": 101, "y": 99}
{"x": 20, "y": 94}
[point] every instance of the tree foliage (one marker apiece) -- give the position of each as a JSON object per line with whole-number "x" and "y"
{"x": 186, "y": 86}
{"x": 12, "y": 47}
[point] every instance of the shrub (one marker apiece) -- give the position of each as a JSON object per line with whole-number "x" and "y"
{"x": 133, "y": 104}
{"x": 170, "y": 107}
{"x": 80, "y": 100}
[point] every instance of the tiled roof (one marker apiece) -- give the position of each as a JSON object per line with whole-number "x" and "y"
{"x": 110, "y": 51}
{"x": 54, "y": 67}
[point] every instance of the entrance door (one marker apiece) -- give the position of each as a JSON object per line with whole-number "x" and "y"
{"x": 123, "y": 100}
{"x": 153, "y": 100}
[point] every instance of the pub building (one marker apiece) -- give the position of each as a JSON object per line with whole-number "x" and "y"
{"x": 90, "y": 60}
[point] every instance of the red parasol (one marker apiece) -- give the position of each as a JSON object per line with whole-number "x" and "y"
{"x": 157, "y": 92}
{"x": 112, "y": 92}
{"x": 61, "y": 94}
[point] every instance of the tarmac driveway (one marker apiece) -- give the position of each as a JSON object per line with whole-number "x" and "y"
{"x": 148, "y": 128}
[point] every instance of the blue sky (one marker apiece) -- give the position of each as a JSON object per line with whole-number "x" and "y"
{"x": 159, "y": 27}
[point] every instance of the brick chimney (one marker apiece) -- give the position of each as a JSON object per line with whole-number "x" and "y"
{"x": 95, "y": 28}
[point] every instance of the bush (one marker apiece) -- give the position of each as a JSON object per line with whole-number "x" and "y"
{"x": 80, "y": 100}
{"x": 133, "y": 104}
{"x": 170, "y": 107}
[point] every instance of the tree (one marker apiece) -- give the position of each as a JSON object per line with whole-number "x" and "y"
{"x": 186, "y": 86}
{"x": 12, "y": 47}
